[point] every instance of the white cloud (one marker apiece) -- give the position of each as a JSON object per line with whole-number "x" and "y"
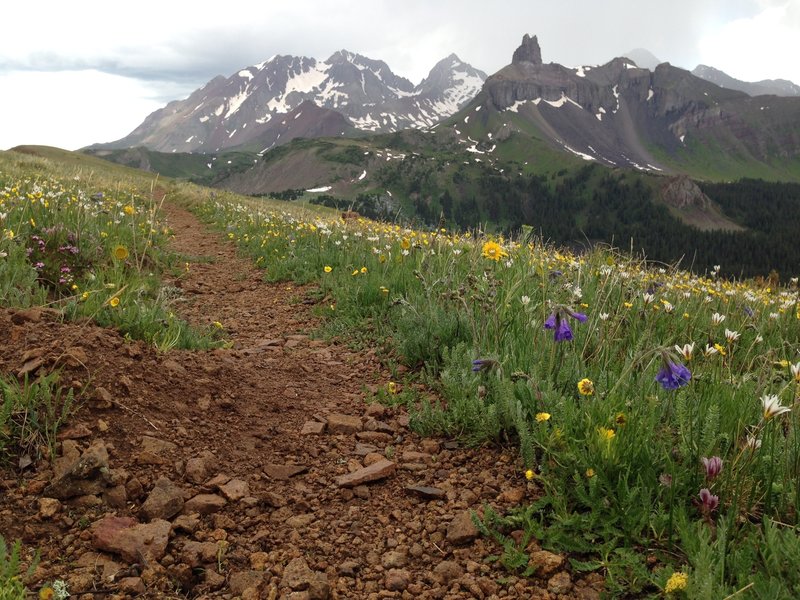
{"x": 763, "y": 46}
{"x": 71, "y": 109}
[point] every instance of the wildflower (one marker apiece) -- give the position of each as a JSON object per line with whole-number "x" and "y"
{"x": 752, "y": 443}
{"x": 586, "y": 387}
{"x": 384, "y": 290}
{"x": 672, "y": 374}
{"x": 483, "y": 364}
{"x": 772, "y": 406}
{"x": 717, "y": 318}
{"x": 721, "y": 349}
{"x": 665, "y": 479}
{"x": 46, "y": 593}
{"x": 391, "y": 387}
{"x": 603, "y": 316}
{"x": 620, "y": 419}
{"x": 363, "y": 270}
{"x": 85, "y": 296}
{"x": 327, "y": 268}
{"x": 648, "y": 298}
{"x": 405, "y": 243}
{"x": 529, "y": 474}
{"x": 542, "y": 417}
{"x": 114, "y": 302}
{"x": 493, "y": 251}
{"x": 558, "y": 322}
{"x": 589, "y": 472}
{"x": 606, "y": 434}
{"x": 713, "y": 466}
{"x": 676, "y": 582}
{"x": 128, "y": 210}
{"x": 686, "y": 351}
{"x": 120, "y": 252}
{"x": 708, "y": 501}
{"x": 525, "y": 300}
{"x": 354, "y": 273}
{"x": 796, "y": 373}
{"x": 627, "y": 304}
{"x": 217, "y": 324}
{"x": 732, "y": 336}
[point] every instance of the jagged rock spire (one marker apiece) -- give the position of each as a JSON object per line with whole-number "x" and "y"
{"x": 529, "y": 51}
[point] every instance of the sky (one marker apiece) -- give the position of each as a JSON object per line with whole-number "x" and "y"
{"x": 84, "y": 71}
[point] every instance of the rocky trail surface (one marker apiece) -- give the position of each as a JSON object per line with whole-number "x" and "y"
{"x": 258, "y": 471}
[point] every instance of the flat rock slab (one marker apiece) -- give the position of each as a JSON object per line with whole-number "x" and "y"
{"x": 312, "y": 428}
{"x": 426, "y": 492}
{"x": 284, "y": 472}
{"x": 235, "y": 489}
{"x": 164, "y": 502}
{"x": 346, "y": 424}
{"x": 374, "y": 472}
{"x": 133, "y": 542}
{"x": 204, "y": 504}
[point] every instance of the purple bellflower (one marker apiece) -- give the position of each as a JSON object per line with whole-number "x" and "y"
{"x": 558, "y": 322}
{"x": 673, "y": 374}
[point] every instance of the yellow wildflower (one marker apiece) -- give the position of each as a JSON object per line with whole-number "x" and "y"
{"x": 542, "y": 417}
{"x": 128, "y": 209}
{"x": 363, "y": 270}
{"x": 590, "y": 473}
{"x": 405, "y": 243}
{"x": 529, "y": 474}
{"x": 120, "y": 252}
{"x": 493, "y": 251}
{"x": 606, "y": 434}
{"x": 46, "y": 593}
{"x": 114, "y": 302}
{"x": 676, "y": 582}
{"x": 586, "y": 387}
{"x": 327, "y": 268}
{"x": 391, "y": 387}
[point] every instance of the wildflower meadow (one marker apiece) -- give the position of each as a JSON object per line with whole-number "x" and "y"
{"x": 656, "y": 410}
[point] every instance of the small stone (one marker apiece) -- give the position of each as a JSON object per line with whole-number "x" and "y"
{"x": 283, "y": 472}
{"x": 77, "y": 432}
{"x": 297, "y": 575}
{"x": 416, "y": 457}
{"x": 102, "y": 426}
{"x": 216, "y": 481}
{"x": 244, "y": 580}
{"x": 394, "y": 559}
{"x": 164, "y": 502}
{"x": 397, "y": 580}
{"x": 204, "y": 504}
{"x": 426, "y": 492}
{"x": 48, "y": 507}
{"x": 89, "y": 475}
{"x": 365, "y": 449}
{"x": 546, "y": 563}
{"x": 116, "y": 497}
{"x": 361, "y": 491}
{"x": 312, "y": 428}
{"x": 429, "y": 446}
{"x": 197, "y": 554}
{"x": 195, "y": 471}
{"x": 155, "y": 451}
{"x": 348, "y": 569}
{"x": 235, "y": 489}
{"x": 343, "y": 424}
{"x": 461, "y": 529}
{"x": 374, "y": 437}
{"x": 513, "y": 495}
{"x": 560, "y": 583}
{"x": 131, "y": 585}
{"x": 447, "y": 571}
{"x": 259, "y": 561}
{"x": 186, "y": 523}
{"x": 101, "y": 398}
{"x": 374, "y": 472}
{"x": 372, "y": 458}
{"x": 375, "y": 410}
{"x": 300, "y": 521}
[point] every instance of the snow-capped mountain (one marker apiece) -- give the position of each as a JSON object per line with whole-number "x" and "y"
{"x": 238, "y": 110}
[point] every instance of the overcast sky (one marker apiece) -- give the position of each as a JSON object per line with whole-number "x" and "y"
{"x": 77, "y": 72}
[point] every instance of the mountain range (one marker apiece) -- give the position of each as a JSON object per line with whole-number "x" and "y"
{"x": 285, "y": 97}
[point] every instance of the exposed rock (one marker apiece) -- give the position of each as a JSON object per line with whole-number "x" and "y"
{"x": 186, "y": 523}
{"x": 394, "y": 559}
{"x": 101, "y": 398}
{"x": 560, "y": 583}
{"x": 155, "y": 451}
{"x": 195, "y": 470}
{"x": 312, "y": 428}
{"x": 197, "y": 554}
{"x": 244, "y": 580}
{"x": 529, "y": 51}
{"x": 682, "y": 192}
{"x": 461, "y": 529}
{"x": 89, "y": 475}
{"x": 76, "y": 432}
{"x": 344, "y": 424}
{"x": 131, "y": 585}
{"x": 116, "y": 497}
{"x": 447, "y": 571}
{"x": 284, "y": 472}
{"x": 204, "y": 504}
{"x": 546, "y": 563}
{"x": 48, "y": 507}
{"x": 297, "y": 575}
{"x": 235, "y": 489}
{"x": 374, "y": 472}
{"x": 426, "y": 492}
{"x": 164, "y": 502}
{"x": 397, "y": 580}
{"x": 121, "y": 535}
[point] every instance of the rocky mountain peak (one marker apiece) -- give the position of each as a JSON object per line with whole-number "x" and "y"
{"x": 528, "y": 51}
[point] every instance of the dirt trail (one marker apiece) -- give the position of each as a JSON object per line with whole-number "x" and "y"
{"x": 232, "y": 465}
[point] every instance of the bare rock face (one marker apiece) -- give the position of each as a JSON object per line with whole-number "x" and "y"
{"x": 682, "y": 192}
{"x": 529, "y": 51}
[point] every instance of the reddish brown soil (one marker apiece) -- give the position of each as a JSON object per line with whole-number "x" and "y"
{"x": 241, "y": 410}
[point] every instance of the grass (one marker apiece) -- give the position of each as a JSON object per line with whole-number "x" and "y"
{"x": 619, "y": 460}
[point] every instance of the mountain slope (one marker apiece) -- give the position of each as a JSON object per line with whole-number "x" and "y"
{"x": 776, "y": 87}
{"x": 243, "y": 108}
